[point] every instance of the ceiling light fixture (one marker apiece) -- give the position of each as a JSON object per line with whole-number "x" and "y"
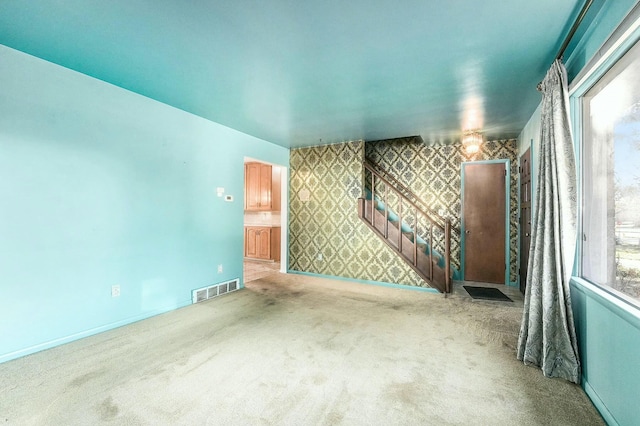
{"x": 471, "y": 141}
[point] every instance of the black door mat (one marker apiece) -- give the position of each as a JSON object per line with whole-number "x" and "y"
{"x": 486, "y": 293}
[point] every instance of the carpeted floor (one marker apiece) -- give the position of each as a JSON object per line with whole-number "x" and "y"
{"x": 296, "y": 350}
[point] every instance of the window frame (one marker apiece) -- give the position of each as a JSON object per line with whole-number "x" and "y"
{"x": 626, "y": 35}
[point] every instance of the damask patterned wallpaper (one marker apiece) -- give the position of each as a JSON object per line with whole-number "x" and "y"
{"x": 326, "y": 182}
{"x": 432, "y": 172}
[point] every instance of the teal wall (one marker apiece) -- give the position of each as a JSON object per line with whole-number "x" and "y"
{"x": 602, "y": 20}
{"x": 609, "y": 337}
{"x": 100, "y": 187}
{"x": 608, "y": 330}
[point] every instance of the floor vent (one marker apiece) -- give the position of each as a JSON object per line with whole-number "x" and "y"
{"x": 215, "y": 290}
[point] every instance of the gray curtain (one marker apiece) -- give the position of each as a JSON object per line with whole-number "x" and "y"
{"x": 547, "y": 333}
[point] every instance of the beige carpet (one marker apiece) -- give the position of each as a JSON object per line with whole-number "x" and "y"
{"x": 294, "y": 350}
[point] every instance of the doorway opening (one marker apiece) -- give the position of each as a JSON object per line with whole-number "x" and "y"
{"x": 265, "y": 201}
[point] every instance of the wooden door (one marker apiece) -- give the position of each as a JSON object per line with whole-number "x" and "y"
{"x": 525, "y": 216}
{"x": 484, "y": 214}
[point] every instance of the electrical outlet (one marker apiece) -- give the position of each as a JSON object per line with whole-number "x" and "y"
{"x": 219, "y": 269}
{"x": 319, "y": 256}
{"x": 115, "y": 291}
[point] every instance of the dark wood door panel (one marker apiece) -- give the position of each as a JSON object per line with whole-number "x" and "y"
{"x": 484, "y": 222}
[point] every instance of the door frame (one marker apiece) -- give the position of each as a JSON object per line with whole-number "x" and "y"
{"x": 284, "y": 210}
{"x": 507, "y": 206}
{"x": 531, "y": 197}
{"x": 531, "y": 148}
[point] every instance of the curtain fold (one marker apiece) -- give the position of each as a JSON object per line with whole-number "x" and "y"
{"x": 547, "y": 333}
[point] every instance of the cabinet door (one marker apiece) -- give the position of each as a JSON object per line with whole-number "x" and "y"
{"x": 252, "y": 186}
{"x": 258, "y": 186}
{"x": 251, "y": 242}
{"x": 265, "y": 187}
{"x": 264, "y": 243}
{"x": 276, "y": 187}
{"x": 275, "y": 244}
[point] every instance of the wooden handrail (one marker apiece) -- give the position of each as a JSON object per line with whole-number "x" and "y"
{"x": 419, "y": 209}
{"x": 390, "y": 179}
{"x": 403, "y": 189}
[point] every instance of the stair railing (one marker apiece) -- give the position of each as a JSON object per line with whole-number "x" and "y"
{"x": 404, "y": 190}
{"x": 437, "y": 222}
{"x": 410, "y": 195}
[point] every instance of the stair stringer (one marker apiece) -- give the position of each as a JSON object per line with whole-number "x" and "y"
{"x": 455, "y": 273}
{"x": 426, "y": 265}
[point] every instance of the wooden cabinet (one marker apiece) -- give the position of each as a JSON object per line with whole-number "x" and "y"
{"x": 262, "y": 243}
{"x": 262, "y": 187}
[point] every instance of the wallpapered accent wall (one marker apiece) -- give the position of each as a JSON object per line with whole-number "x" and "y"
{"x": 326, "y": 182}
{"x": 432, "y": 172}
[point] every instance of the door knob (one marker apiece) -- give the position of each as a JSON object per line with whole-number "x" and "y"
{"x": 467, "y": 231}
{"x": 526, "y": 235}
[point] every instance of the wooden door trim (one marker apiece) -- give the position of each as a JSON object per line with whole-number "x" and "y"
{"x": 532, "y": 194}
{"x": 507, "y": 188}
{"x": 533, "y": 172}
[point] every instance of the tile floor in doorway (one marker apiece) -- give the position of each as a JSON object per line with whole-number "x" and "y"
{"x": 255, "y": 269}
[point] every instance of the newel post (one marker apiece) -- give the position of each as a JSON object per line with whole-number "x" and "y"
{"x": 447, "y": 255}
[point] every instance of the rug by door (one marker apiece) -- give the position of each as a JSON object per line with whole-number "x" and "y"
{"x": 487, "y": 293}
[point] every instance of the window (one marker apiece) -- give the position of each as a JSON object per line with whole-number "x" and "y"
{"x": 611, "y": 179}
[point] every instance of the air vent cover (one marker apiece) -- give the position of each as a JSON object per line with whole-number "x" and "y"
{"x": 205, "y": 293}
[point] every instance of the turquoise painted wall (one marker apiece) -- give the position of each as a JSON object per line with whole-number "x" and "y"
{"x": 609, "y": 336}
{"x": 607, "y": 15}
{"x": 100, "y": 187}
{"x": 530, "y": 135}
{"x": 608, "y": 330}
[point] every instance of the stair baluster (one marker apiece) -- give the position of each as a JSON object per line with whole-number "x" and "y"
{"x": 400, "y": 227}
{"x": 431, "y": 253}
{"x": 386, "y": 212}
{"x": 373, "y": 199}
{"x": 415, "y": 240}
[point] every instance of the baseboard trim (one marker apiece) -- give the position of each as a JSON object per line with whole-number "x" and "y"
{"x": 378, "y": 283}
{"x": 76, "y": 336}
{"x": 597, "y": 402}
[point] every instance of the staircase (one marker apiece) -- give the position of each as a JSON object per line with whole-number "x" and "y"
{"x": 421, "y": 237}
